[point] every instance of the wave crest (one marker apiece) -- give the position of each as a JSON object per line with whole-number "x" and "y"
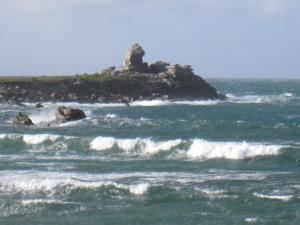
{"x": 201, "y": 149}
{"x": 39, "y": 138}
{"x": 147, "y": 146}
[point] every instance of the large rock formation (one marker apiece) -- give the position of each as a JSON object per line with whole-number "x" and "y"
{"x": 135, "y": 81}
{"x": 22, "y": 119}
{"x": 65, "y": 114}
{"x": 134, "y": 60}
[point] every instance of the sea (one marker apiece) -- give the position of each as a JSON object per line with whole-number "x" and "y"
{"x": 157, "y": 162}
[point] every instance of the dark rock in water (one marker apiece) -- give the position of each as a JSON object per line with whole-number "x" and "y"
{"x": 65, "y": 114}
{"x": 134, "y": 60}
{"x": 39, "y": 105}
{"x": 22, "y": 119}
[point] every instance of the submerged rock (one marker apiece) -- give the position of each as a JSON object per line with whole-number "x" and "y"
{"x": 22, "y": 119}
{"x": 65, "y": 114}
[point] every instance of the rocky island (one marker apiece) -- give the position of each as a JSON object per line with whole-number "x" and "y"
{"x": 136, "y": 80}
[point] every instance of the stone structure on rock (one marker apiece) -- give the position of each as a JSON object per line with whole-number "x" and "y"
{"x": 134, "y": 63}
{"x": 134, "y": 60}
{"x": 65, "y": 114}
{"x": 22, "y": 119}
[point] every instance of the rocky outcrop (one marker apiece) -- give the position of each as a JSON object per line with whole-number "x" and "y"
{"x": 22, "y": 119}
{"x": 179, "y": 71}
{"x": 134, "y": 60}
{"x": 135, "y": 81}
{"x": 158, "y": 67}
{"x": 65, "y": 114}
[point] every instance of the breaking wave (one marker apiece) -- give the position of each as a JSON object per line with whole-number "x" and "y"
{"x": 164, "y": 102}
{"x": 147, "y": 146}
{"x": 34, "y": 139}
{"x": 39, "y": 138}
{"x": 52, "y": 183}
{"x": 195, "y": 149}
{"x": 199, "y": 149}
{"x": 250, "y": 99}
{"x": 202, "y": 149}
{"x": 64, "y": 183}
{"x": 43, "y": 116}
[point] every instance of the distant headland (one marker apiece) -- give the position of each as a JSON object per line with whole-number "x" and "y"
{"x": 136, "y": 80}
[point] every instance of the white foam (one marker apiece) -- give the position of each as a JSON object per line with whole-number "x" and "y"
{"x": 43, "y": 116}
{"x": 211, "y": 193}
{"x": 274, "y": 197}
{"x": 85, "y": 105}
{"x": 102, "y": 143}
{"x": 287, "y": 94}
{"x": 202, "y": 149}
{"x": 35, "y": 139}
{"x": 139, "y": 189}
{"x": 150, "y": 103}
{"x": 152, "y": 147}
{"x": 251, "y": 220}
{"x": 3, "y": 136}
{"x": 147, "y": 145}
{"x": 44, "y": 201}
{"x": 165, "y": 102}
{"x": 50, "y": 182}
{"x": 111, "y": 115}
{"x": 199, "y": 102}
{"x": 248, "y": 99}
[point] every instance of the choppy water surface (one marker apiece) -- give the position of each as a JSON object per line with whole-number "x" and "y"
{"x": 158, "y": 162}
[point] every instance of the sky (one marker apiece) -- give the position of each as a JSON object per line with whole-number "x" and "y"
{"x": 219, "y": 38}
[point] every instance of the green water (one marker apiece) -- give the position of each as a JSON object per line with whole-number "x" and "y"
{"x": 200, "y": 162}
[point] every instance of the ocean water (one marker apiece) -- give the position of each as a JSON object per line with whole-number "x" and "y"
{"x": 157, "y": 162}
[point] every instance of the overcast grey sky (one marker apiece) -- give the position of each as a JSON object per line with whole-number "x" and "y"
{"x": 219, "y": 38}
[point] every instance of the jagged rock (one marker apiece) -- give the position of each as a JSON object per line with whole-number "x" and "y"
{"x": 178, "y": 70}
{"x": 158, "y": 67}
{"x": 134, "y": 60}
{"x": 22, "y": 119}
{"x": 65, "y": 114}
